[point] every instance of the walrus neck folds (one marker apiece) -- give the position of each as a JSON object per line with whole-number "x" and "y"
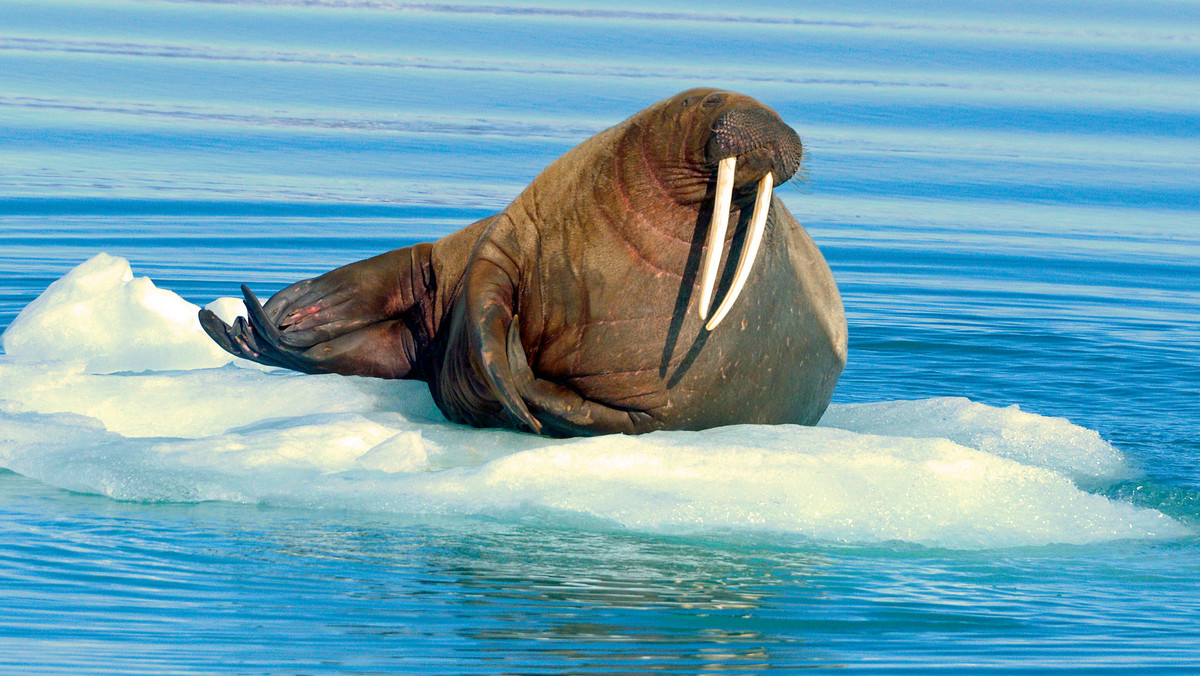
{"x": 667, "y": 193}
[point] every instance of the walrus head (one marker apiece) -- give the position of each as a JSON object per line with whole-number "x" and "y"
{"x": 689, "y": 134}
{"x": 749, "y": 149}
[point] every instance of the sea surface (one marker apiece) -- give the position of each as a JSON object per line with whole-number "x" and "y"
{"x": 1008, "y": 194}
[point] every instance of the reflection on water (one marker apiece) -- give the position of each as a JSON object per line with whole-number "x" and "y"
{"x": 276, "y": 584}
{"x": 619, "y": 602}
{"x": 274, "y": 588}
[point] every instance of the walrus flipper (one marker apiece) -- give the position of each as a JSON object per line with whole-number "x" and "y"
{"x": 382, "y": 349}
{"x": 351, "y": 297}
{"x": 563, "y": 411}
{"x": 354, "y": 320}
{"x": 241, "y": 340}
{"x": 489, "y": 303}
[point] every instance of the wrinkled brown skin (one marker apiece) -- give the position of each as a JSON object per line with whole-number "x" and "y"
{"x": 573, "y": 311}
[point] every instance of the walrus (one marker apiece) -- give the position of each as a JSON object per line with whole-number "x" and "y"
{"x": 589, "y": 305}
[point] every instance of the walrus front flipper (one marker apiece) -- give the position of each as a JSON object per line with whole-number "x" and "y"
{"x": 489, "y": 296}
{"x": 474, "y": 383}
{"x": 563, "y": 411}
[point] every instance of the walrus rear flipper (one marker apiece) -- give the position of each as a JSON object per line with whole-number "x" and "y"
{"x": 251, "y": 337}
{"x": 563, "y": 411}
{"x": 382, "y": 350}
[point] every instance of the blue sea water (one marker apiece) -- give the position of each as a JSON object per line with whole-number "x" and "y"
{"x": 1008, "y": 194}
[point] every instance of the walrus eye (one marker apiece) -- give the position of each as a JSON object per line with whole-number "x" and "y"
{"x": 716, "y": 241}
{"x": 688, "y": 101}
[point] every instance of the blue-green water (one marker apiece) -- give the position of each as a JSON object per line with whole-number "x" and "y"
{"x": 1009, "y": 197}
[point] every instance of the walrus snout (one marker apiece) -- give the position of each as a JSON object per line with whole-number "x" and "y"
{"x": 760, "y": 140}
{"x": 751, "y": 145}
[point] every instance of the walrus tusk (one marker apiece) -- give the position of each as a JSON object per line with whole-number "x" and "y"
{"x": 758, "y": 223}
{"x": 716, "y": 233}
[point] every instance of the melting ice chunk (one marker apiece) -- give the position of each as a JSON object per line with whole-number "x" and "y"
{"x": 99, "y": 312}
{"x": 944, "y": 472}
{"x": 1053, "y": 443}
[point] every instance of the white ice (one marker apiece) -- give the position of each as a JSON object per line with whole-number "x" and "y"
{"x": 108, "y": 386}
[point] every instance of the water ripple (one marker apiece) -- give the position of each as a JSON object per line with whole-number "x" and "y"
{"x": 982, "y": 29}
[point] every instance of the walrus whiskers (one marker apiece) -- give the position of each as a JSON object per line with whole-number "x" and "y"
{"x": 716, "y": 233}
{"x": 758, "y": 224}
